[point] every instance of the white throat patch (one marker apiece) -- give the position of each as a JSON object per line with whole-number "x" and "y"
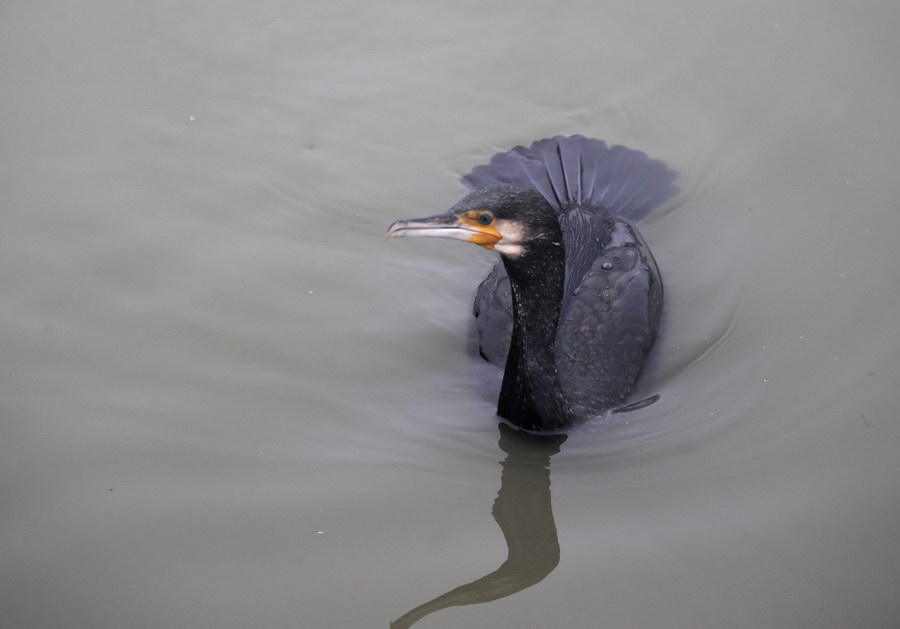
{"x": 511, "y": 245}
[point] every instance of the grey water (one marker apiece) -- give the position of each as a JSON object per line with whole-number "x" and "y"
{"x": 227, "y": 401}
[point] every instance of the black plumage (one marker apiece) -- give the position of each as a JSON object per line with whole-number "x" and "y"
{"x": 573, "y": 307}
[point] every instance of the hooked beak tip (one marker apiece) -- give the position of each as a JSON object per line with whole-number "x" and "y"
{"x": 395, "y": 230}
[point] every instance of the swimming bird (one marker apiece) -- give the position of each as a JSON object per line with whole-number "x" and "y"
{"x": 572, "y": 308}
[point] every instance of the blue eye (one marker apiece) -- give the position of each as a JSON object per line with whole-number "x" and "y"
{"x": 485, "y": 218}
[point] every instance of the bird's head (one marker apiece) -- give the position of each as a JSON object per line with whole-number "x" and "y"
{"x": 507, "y": 220}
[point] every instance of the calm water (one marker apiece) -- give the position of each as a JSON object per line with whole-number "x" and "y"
{"x": 227, "y": 401}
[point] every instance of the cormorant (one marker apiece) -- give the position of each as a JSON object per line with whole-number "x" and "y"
{"x": 572, "y": 309}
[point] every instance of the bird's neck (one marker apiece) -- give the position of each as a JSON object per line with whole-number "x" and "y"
{"x": 531, "y": 396}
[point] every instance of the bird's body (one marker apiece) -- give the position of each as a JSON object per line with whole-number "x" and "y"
{"x": 572, "y": 309}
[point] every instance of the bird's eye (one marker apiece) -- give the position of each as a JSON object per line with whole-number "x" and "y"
{"x": 485, "y": 218}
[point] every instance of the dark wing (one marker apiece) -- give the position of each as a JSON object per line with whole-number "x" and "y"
{"x": 494, "y": 316}
{"x": 609, "y": 322}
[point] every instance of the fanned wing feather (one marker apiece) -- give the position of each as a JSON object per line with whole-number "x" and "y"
{"x": 581, "y": 172}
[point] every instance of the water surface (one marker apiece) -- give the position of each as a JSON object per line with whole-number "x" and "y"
{"x": 227, "y": 401}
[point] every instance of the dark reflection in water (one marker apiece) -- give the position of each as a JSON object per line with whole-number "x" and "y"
{"x": 523, "y": 512}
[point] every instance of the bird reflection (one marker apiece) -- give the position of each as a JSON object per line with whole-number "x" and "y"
{"x": 524, "y": 514}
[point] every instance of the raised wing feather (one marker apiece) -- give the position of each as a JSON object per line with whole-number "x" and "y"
{"x": 576, "y": 171}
